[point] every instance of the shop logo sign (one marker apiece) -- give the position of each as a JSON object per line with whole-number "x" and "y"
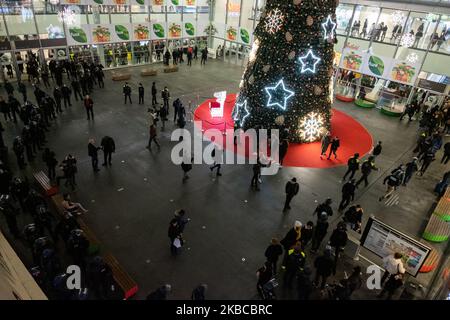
{"x": 376, "y": 65}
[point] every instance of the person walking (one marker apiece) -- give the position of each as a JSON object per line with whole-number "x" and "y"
{"x": 93, "y": 153}
{"x": 154, "y": 92}
{"x": 141, "y": 93}
{"x": 273, "y": 253}
{"x": 324, "y": 207}
{"x": 338, "y": 241}
{"x": 377, "y": 150}
{"x": 204, "y": 53}
{"x": 76, "y": 89}
{"x": 324, "y": 268}
{"x": 306, "y": 234}
{"x": 108, "y": 147}
{"x": 366, "y": 169}
{"x": 89, "y": 106}
{"x": 57, "y": 95}
{"x": 393, "y": 181}
{"x": 186, "y": 166}
{"x": 353, "y": 217}
{"x": 427, "y": 158}
{"x": 411, "y": 168}
{"x": 294, "y": 264}
{"x": 176, "y": 106}
{"x": 348, "y": 194}
{"x": 23, "y": 90}
{"x": 335, "y": 143}
{"x": 174, "y": 236}
{"x": 152, "y": 138}
{"x": 352, "y": 166}
{"x": 217, "y": 155}
{"x": 392, "y": 264}
{"x": 189, "y": 57}
{"x": 326, "y": 140}
{"x": 291, "y": 189}
{"x": 446, "y": 155}
{"x": 320, "y": 231}
{"x": 165, "y": 95}
{"x": 127, "y": 92}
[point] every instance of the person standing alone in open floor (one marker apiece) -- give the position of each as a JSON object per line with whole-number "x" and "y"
{"x": 127, "y": 93}
{"x": 89, "y": 106}
{"x": 141, "y": 93}
{"x": 154, "y": 93}
{"x": 377, "y": 150}
{"x": 108, "y": 146}
{"x": 204, "y": 56}
{"x": 291, "y": 189}
{"x": 152, "y": 137}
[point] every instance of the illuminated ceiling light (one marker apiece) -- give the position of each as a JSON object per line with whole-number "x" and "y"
{"x": 407, "y": 40}
{"x": 398, "y": 17}
{"x": 306, "y": 60}
{"x": 274, "y": 21}
{"x": 311, "y": 127}
{"x": 287, "y": 94}
{"x": 67, "y": 16}
{"x": 238, "y": 108}
{"x": 412, "y": 57}
{"x": 329, "y": 27}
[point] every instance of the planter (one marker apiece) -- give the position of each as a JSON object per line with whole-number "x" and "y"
{"x": 390, "y": 112}
{"x": 364, "y": 104}
{"x": 344, "y": 98}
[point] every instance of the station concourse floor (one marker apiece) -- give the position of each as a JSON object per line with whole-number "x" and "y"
{"x": 131, "y": 203}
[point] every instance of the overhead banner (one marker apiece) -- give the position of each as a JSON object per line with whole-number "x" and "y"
{"x": 245, "y": 36}
{"x": 377, "y": 66}
{"x": 158, "y": 30}
{"x": 122, "y": 32}
{"x": 158, "y": 2}
{"x": 78, "y": 35}
{"x": 352, "y": 60}
{"x": 404, "y": 72}
{"x": 231, "y": 33}
{"x": 189, "y": 28}
{"x": 174, "y": 30}
{"x": 141, "y": 31}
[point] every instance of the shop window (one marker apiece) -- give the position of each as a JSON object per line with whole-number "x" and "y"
{"x": 344, "y": 14}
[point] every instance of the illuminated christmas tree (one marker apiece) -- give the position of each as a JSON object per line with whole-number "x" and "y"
{"x": 288, "y": 79}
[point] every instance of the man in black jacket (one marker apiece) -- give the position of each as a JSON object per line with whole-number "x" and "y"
{"x": 66, "y": 93}
{"x": 377, "y": 150}
{"x": 108, "y": 146}
{"x": 57, "y": 95}
{"x": 93, "y": 153}
{"x": 348, "y": 194}
{"x": 352, "y": 165}
{"x": 273, "y": 252}
{"x": 154, "y": 92}
{"x": 127, "y": 92}
{"x": 291, "y": 190}
{"x": 76, "y": 89}
{"x": 324, "y": 267}
{"x": 366, "y": 169}
{"x": 338, "y": 241}
{"x": 324, "y": 207}
{"x": 141, "y": 93}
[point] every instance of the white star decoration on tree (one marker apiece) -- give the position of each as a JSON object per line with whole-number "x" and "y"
{"x": 306, "y": 62}
{"x": 311, "y": 126}
{"x": 328, "y": 27}
{"x": 274, "y": 21}
{"x": 286, "y": 95}
{"x": 239, "y": 107}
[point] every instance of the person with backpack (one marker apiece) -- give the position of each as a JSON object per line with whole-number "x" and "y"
{"x": 338, "y": 241}
{"x": 335, "y": 144}
{"x": 352, "y": 166}
{"x": 324, "y": 268}
{"x": 291, "y": 189}
{"x": 127, "y": 92}
{"x": 273, "y": 252}
{"x": 393, "y": 181}
{"x": 324, "y": 207}
{"x": 348, "y": 194}
{"x": 366, "y": 169}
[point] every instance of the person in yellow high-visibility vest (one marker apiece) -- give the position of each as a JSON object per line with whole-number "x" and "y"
{"x": 294, "y": 264}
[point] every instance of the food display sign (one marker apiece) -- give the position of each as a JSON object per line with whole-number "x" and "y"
{"x": 141, "y": 31}
{"x": 158, "y": 30}
{"x": 78, "y": 35}
{"x": 174, "y": 30}
{"x": 189, "y": 28}
{"x": 404, "y": 72}
{"x": 352, "y": 60}
{"x": 231, "y": 33}
{"x": 245, "y": 36}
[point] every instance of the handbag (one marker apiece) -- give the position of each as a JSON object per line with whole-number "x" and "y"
{"x": 177, "y": 243}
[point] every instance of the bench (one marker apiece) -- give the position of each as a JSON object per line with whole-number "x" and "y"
{"x": 119, "y": 76}
{"x": 94, "y": 243}
{"x": 171, "y": 68}
{"x": 44, "y": 183}
{"x": 437, "y": 230}
{"x": 123, "y": 279}
{"x": 148, "y": 72}
{"x": 442, "y": 209}
{"x": 431, "y": 261}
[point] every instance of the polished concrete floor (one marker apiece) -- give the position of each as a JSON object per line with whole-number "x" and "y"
{"x": 131, "y": 203}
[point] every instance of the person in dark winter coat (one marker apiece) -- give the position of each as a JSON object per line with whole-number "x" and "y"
{"x": 352, "y": 283}
{"x": 377, "y": 150}
{"x": 410, "y": 169}
{"x": 366, "y": 169}
{"x": 273, "y": 252}
{"x": 324, "y": 207}
{"x": 320, "y": 231}
{"x": 291, "y": 239}
{"x": 446, "y": 155}
{"x": 335, "y": 144}
{"x": 50, "y": 160}
{"x": 141, "y": 93}
{"x": 66, "y": 93}
{"x": 338, "y": 241}
{"x": 108, "y": 147}
{"x": 93, "y": 153}
{"x": 127, "y": 93}
{"x": 306, "y": 234}
{"x": 304, "y": 284}
{"x": 326, "y": 140}
{"x": 154, "y": 92}
{"x": 294, "y": 264}
{"x": 324, "y": 268}
{"x": 161, "y": 293}
{"x": 427, "y": 158}
{"x": 174, "y": 233}
{"x": 352, "y": 166}
{"x": 264, "y": 274}
{"x": 348, "y": 194}
{"x": 283, "y": 149}
{"x": 291, "y": 189}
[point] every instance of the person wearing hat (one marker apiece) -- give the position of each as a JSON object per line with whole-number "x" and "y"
{"x": 290, "y": 240}
{"x": 291, "y": 189}
{"x": 324, "y": 207}
{"x": 324, "y": 267}
{"x": 410, "y": 169}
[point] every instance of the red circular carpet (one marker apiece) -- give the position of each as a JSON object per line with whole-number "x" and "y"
{"x": 354, "y": 137}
